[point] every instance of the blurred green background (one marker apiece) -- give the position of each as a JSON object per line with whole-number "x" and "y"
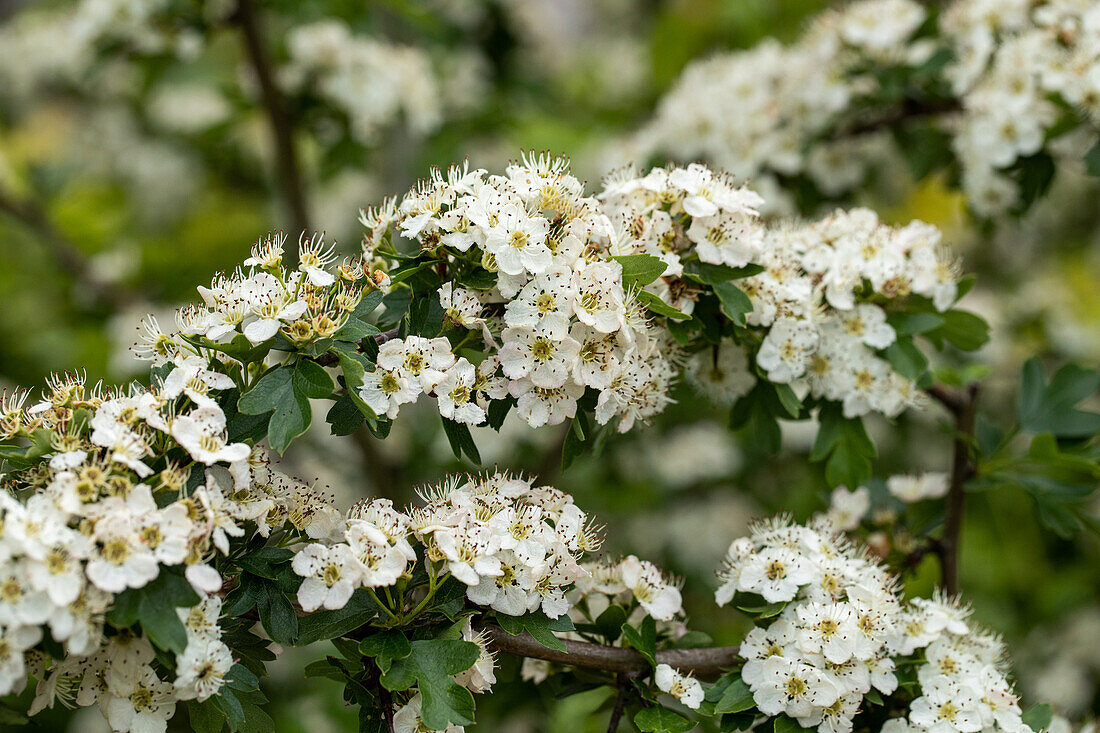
{"x": 134, "y": 165}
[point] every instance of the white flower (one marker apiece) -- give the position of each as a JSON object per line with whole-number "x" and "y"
{"x": 470, "y": 549}
{"x": 191, "y": 377}
{"x": 407, "y": 719}
{"x": 201, "y": 433}
{"x": 456, "y": 394}
{"x": 785, "y": 352}
{"x": 599, "y": 296}
{"x": 775, "y": 573}
{"x": 201, "y": 669}
{"x": 139, "y": 702}
{"x": 544, "y": 303}
{"x": 545, "y": 356}
{"x": 331, "y": 575}
{"x": 270, "y": 305}
{"x": 946, "y": 706}
{"x": 660, "y": 599}
{"x": 867, "y": 322}
{"x": 722, "y": 373}
{"x": 14, "y": 640}
{"x": 481, "y": 676}
{"x": 684, "y": 688}
{"x": 122, "y": 561}
{"x": 828, "y": 629}
{"x": 385, "y": 390}
{"x": 418, "y": 359}
{"x": 518, "y": 242}
{"x": 540, "y": 406}
{"x": 793, "y": 687}
{"x": 916, "y": 488}
{"x": 848, "y": 507}
{"x": 462, "y": 306}
{"x": 383, "y": 558}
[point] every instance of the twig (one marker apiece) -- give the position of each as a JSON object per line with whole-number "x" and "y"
{"x": 963, "y": 404}
{"x": 67, "y": 255}
{"x": 328, "y": 358}
{"x": 621, "y": 684}
{"x": 278, "y": 114}
{"x": 628, "y": 662}
{"x": 910, "y": 109}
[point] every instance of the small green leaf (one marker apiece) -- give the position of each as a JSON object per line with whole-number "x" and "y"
{"x": 641, "y": 269}
{"x": 538, "y": 625}
{"x": 660, "y": 307}
{"x": 331, "y": 624}
{"x": 659, "y": 719}
{"x": 1038, "y": 717}
{"x": 737, "y": 698}
{"x": 1043, "y": 408}
{"x": 735, "y": 304}
{"x": 385, "y": 647}
{"x": 846, "y": 446}
{"x": 643, "y": 638}
{"x": 785, "y": 724}
{"x": 285, "y": 391}
{"x": 458, "y": 435}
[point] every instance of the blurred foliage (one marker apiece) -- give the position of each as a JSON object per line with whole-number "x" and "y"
{"x": 673, "y": 506}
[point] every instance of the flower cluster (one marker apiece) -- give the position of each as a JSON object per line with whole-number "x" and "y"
{"x": 263, "y": 299}
{"x": 109, "y": 504}
{"x": 375, "y": 82}
{"x": 535, "y": 271}
{"x": 842, "y": 630}
{"x": 769, "y": 113}
{"x": 515, "y": 546}
{"x": 822, "y": 325}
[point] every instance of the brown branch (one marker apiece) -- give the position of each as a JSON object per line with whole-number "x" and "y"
{"x": 963, "y": 405}
{"x": 910, "y": 109}
{"x": 278, "y": 114}
{"x": 65, "y": 253}
{"x": 628, "y": 662}
{"x": 621, "y": 683}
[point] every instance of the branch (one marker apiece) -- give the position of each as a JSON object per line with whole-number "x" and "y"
{"x": 621, "y": 682}
{"x": 627, "y": 662}
{"x": 329, "y": 359}
{"x": 65, "y": 253}
{"x": 278, "y": 114}
{"x": 963, "y": 405}
{"x": 910, "y": 109}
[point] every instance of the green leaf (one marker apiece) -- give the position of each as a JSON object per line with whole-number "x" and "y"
{"x": 1051, "y": 408}
{"x": 154, "y": 607}
{"x": 285, "y": 391}
{"x": 643, "y": 638}
{"x": 737, "y": 698}
{"x": 458, "y": 435}
{"x": 610, "y": 622}
{"x": 660, "y": 307}
{"x": 785, "y": 724}
{"x": 705, "y": 272}
{"x": 640, "y": 269}
{"x": 385, "y": 647}
{"x": 964, "y": 329}
{"x": 240, "y": 348}
{"x": 907, "y": 360}
{"x": 844, "y": 442}
{"x": 1092, "y": 160}
{"x": 659, "y": 719}
{"x": 538, "y": 625}
{"x": 11, "y": 716}
{"x": 735, "y": 304}
{"x": 277, "y": 614}
{"x": 1038, "y": 717}
{"x": 331, "y": 624}
{"x": 429, "y": 667}
{"x": 573, "y": 445}
{"x": 205, "y": 717}
{"x": 356, "y": 327}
